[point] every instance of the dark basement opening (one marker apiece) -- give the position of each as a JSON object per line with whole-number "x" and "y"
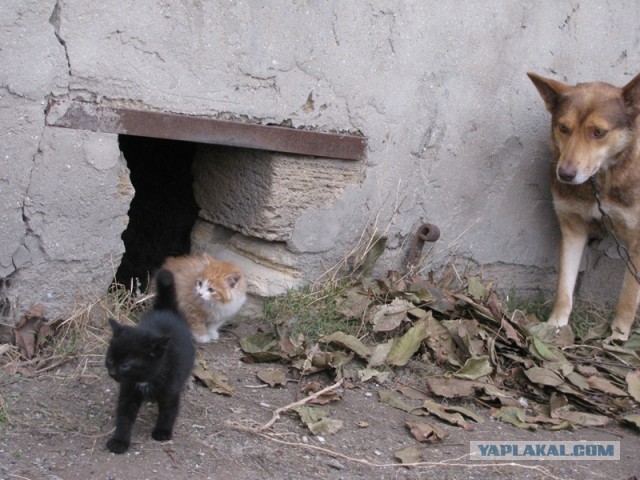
{"x": 163, "y": 210}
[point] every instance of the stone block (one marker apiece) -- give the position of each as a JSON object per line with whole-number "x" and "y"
{"x": 261, "y": 194}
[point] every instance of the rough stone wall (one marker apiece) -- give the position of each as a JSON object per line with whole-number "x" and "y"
{"x": 262, "y": 194}
{"x": 457, "y": 134}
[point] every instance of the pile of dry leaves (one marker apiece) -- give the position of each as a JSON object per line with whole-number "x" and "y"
{"x": 528, "y": 373}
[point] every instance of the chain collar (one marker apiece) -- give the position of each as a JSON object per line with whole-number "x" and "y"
{"x": 607, "y": 222}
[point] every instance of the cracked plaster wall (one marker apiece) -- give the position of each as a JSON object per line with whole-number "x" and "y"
{"x": 457, "y": 134}
{"x": 65, "y": 194}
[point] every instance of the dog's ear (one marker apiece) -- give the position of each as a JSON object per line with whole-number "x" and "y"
{"x": 631, "y": 94}
{"x": 550, "y": 90}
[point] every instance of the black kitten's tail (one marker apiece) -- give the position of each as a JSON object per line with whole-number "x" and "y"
{"x": 166, "y": 291}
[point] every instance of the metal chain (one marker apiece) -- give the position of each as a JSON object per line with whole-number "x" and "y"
{"x": 607, "y": 221}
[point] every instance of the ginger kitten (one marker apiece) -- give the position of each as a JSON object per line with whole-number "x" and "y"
{"x": 210, "y": 292}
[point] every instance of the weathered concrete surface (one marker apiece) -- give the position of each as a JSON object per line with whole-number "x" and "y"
{"x": 75, "y": 210}
{"x": 457, "y": 134}
{"x": 34, "y": 66}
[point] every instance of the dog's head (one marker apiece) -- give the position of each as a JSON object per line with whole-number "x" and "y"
{"x": 592, "y": 124}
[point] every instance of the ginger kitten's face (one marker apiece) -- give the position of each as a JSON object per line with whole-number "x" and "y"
{"x": 211, "y": 289}
{"x": 205, "y": 291}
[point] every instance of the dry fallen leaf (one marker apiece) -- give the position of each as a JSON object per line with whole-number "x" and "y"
{"x": 311, "y": 387}
{"x": 353, "y": 303}
{"x": 215, "y": 380}
{"x": 404, "y": 348}
{"x": 424, "y": 432}
{"x": 604, "y": 385}
{"x": 515, "y": 416}
{"x": 388, "y": 317}
{"x": 326, "y": 426}
{"x": 475, "y": 368}
{"x": 632, "y": 420}
{"x": 408, "y": 455}
{"x": 27, "y": 329}
{"x": 273, "y": 378}
{"x": 348, "y": 341}
{"x": 452, "y": 415}
{"x": 412, "y": 393}
{"x": 394, "y": 400}
{"x": 585, "y": 419}
{"x": 633, "y": 384}
{"x": 310, "y": 415}
{"x": 543, "y": 376}
{"x": 452, "y": 387}
{"x": 379, "y": 353}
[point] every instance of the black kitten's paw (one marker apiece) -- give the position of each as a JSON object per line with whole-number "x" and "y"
{"x": 117, "y": 446}
{"x": 161, "y": 435}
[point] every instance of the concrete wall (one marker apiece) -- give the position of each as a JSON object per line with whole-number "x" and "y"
{"x": 457, "y": 134}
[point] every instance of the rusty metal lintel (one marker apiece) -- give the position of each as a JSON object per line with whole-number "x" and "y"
{"x": 118, "y": 120}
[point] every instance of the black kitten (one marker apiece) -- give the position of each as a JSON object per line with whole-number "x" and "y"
{"x": 150, "y": 362}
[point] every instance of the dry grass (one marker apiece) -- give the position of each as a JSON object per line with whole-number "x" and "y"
{"x": 81, "y": 337}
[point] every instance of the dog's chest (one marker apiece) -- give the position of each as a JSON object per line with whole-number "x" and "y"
{"x": 622, "y": 216}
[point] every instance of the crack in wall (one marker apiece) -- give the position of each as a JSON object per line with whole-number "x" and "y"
{"x": 30, "y": 246}
{"x": 31, "y": 240}
{"x": 55, "y": 21}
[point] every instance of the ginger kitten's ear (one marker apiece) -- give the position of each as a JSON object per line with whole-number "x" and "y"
{"x": 232, "y": 280}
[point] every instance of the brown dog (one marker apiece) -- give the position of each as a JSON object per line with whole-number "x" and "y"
{"x": 595, "y": 132}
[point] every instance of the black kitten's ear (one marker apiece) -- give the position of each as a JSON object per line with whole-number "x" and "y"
{"x": 115, "y": 326}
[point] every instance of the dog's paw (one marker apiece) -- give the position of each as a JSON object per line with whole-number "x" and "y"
{"x": 616, "y": 338}
{"x": 117, "y": 446}
{"x": 161, "y": 435}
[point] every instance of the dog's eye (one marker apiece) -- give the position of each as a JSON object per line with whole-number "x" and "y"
{"x": 563, "y": 129}
{"x": 598, "y": 133}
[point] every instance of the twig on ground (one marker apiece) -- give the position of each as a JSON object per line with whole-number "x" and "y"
{"x": 278, "y": 411}
{"x": 445, "y": 463}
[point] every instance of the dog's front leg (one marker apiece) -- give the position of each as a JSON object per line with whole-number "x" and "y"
{"x": 628, "y": 300}
{"x": 574, "y": 238}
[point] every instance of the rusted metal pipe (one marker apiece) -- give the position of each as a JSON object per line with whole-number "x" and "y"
{"x": 427, "y": 232}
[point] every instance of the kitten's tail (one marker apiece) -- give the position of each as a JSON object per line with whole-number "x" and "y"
{"x": 166, "y": 291}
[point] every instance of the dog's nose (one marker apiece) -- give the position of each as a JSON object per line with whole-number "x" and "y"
{"x": 567, "y": 174}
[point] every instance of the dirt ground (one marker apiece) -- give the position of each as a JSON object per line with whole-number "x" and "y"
{"x": 58, "y": 424}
